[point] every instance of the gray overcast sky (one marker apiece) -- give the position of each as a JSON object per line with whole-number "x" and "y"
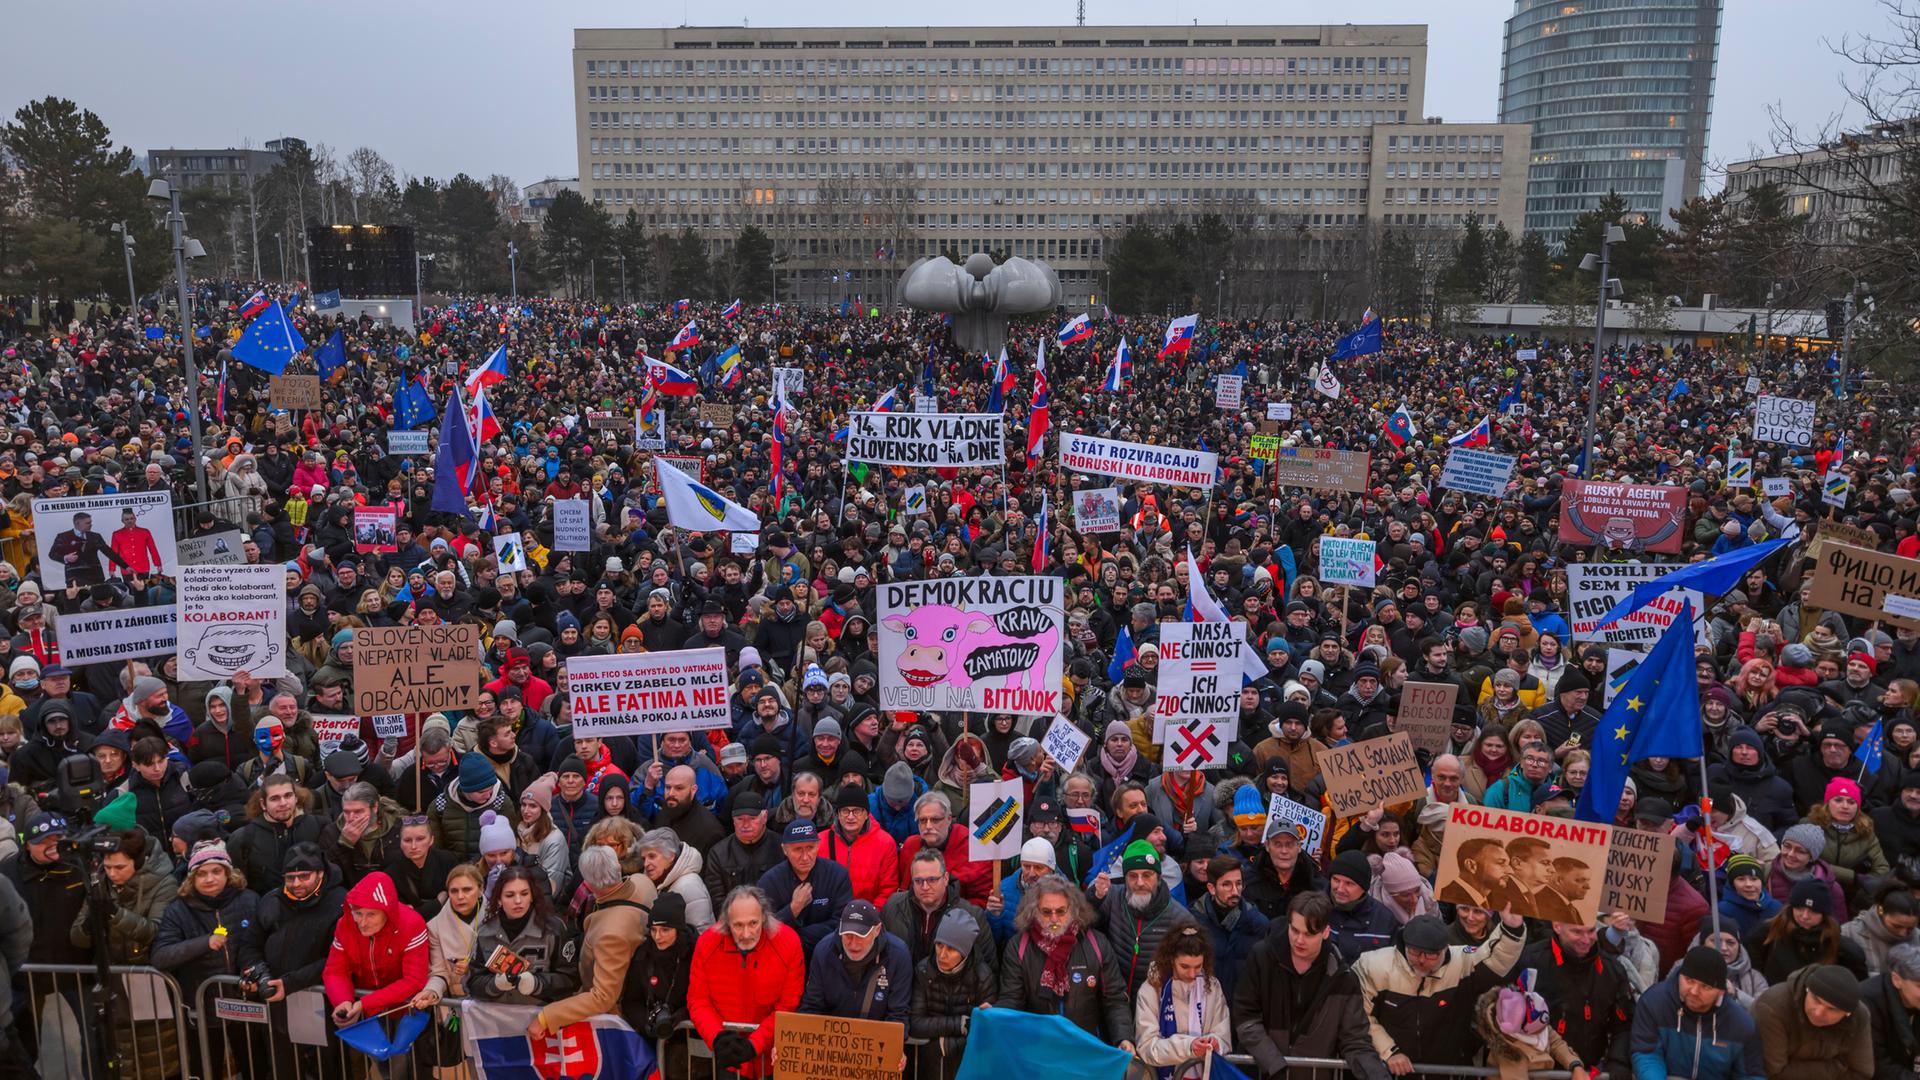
{"x": 486, "y": 86}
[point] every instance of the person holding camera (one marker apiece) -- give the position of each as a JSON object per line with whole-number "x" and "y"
{"x": 140, "y": 898}
{"x": 654, "y": 1000}
{"x": 523, "y": 953}
{"x": 285, "y": 950}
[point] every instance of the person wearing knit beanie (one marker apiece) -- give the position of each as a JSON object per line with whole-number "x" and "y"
{"x": 476, "y": 773}
{"x": 1399, "y": 888}
{"x": 496, "y": 836}
{"x": 1809, "y": 837}
{"x": 540, "y": 791}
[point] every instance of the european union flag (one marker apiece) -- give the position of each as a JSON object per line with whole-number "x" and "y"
{"x": 412, "y": 405}
{"x": 1871, "y": 748}
{"x": 332, "y": 356}
{"x": 1657, "y": 714}
{"x": 155, "y": 333}
{"x": 269, "y": 342}
{"x": 1122, "y": 656}
{"x": 1679, "y": 388}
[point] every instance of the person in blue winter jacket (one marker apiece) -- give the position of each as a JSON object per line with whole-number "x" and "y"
{"x": 1687, "y": 1026}
{"x": 808, "y": 892}
{"x": 1746, "y": 903}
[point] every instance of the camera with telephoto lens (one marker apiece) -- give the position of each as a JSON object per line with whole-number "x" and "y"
{"x": 254, "y": 981}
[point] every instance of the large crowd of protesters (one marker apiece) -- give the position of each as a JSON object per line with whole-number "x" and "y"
{"x": 813, "y": 857}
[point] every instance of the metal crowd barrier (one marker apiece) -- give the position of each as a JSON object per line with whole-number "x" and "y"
{"x": 149, "y": 1031}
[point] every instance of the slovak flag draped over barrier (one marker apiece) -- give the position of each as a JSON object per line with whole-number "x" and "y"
{"x": 1179, "y": 335}
{"x": 598, "y": 1048}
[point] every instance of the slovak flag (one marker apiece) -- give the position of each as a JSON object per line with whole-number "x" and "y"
{"x": 687, "y": 338}
{"x": 731, "y": 310}
{"x": 1480, "y": 434}
{"x": 1077, "y": 328}
{"x": 1202, "y": 607}
{"x": 219, "y": 397}
{"x": 1000, "y": 384}
{"x": 731, "y": 368}
{"x": 599, "y": 1046}
{"x": 1399, "y": 429}
{"x": 1121, "y": 370}
{"x": 1037, "y": 421}
{"x": 1179, "y": 335}
{"x": 887, "y": 401}
{"x": 480, "y": 418}
{"x": 255, "y": 304}
{"x": 681, "y": 305}
{"x": 670, "y": 380}
{"x": 489, "y": 373}
{"x": 1040, "y": 544}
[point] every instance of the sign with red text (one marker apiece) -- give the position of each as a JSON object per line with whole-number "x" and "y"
{"x": 232, "y": 618}
{"x": 649, "y": 693}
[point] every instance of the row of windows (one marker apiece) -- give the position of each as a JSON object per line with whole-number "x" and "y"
{"x": 1002, "y": 118}
{"x": 1315, "y": 196}
{"x": 948, "y": 170}
{"x": 1481, "y": 196}
{"x": 1313, "y": 91}
{"x": 1192, "y": 65}
{"x": 1441, "y": 170}
{"x": 815, "y": 247}
{"x": 1472, "y": 144}
{"x": 1021, "y": 144}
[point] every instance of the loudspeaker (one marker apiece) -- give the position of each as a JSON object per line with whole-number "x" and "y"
{"x": 362, "y": 261}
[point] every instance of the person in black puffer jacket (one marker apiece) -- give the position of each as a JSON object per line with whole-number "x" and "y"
{"x": 277, "y": 819}
{"x": 1898, "y": 824}
{"x": 1768, "y": 795}
{"x": 654, "y": 998}
{"x": 290, "y": 936}
{"x": 948, "y": 984}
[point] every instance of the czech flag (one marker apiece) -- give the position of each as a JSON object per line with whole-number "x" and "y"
{"x": 1041, "y": 528}
{"x": 731, "y": 310}
{"x": 1179, "y": 335}
{"x": 494, "y": 370}
{"x": 1399, "y": 429}
{"x": 1077, "y": 328}
{"x": 1121, "y": 370}
{"x": 731, "y": 367}
{"x": 687, "y": 338}
{"x": 255, "y": 304}
{"x": 1037, "y": 421}
{"x": 670, "y": 380}
{"x": 1480, "y": 434}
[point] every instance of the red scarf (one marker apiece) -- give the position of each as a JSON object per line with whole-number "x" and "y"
{"x": 1053, "y": 975}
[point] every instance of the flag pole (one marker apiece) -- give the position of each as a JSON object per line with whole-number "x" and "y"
{"x": 1706, "y": 820}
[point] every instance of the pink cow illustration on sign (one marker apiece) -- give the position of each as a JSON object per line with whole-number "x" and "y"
{"x": 958, "y": 648}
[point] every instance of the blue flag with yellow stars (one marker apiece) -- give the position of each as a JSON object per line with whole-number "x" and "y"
{"x": 1657, "y": 714}
{"x": 269, "y": 342}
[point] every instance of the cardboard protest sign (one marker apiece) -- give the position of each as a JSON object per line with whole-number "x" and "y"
{"x": 1855, "y": 581}
{"x": 1376, "y": 772}
{"x": 605, "y": 421}
{"x": 1593, "y": 589}
{"x": 1839, "y": 532}
{"x": 972, "y": 644}
{"x": 1065, "y": 743}
{"x": 374, "y": 528}
{"x": 1097, "y": 510}
{"x": 1639, "y": 870}
{"x": 1138, "y": 461}
{"x": 1346, "y": 561}
{"x": 93, "y": 637}
{"x": 1426, "y": 714}
{"x": 1228, "y": 390}
{"x": 1305, "y": 822}
{"x": 1783, "y": 420}
{"x": 1319, "y": 469}
{"x": 996, "y": 811}
{"x": 415, "y": 669}
{"x": 938, "y": 440}
{"x": 1546, "y": 868}
{"x": 332, "y": 729}
{"x": 649, "y": 693}
{"x": 572, "y": 525}
{"x": 232, "y": 618}
{"x": 92, "y": 537}
{"x": 508, "y": 553}
{"x": 228, "y": 547}
{"x": 294, "y": 392}
{"x": 717, "y": 413}
{"x": 1623, "y": 517}
{"x": 809, "y": 1047}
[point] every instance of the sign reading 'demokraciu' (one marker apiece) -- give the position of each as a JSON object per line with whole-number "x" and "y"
{"x": 974, "y": 644}
{"x": 938, "y": 440}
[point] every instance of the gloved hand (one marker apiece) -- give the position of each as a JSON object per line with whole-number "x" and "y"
{"x": 502, "y": 981}
{"x": 527, "y": 983}
{"x": 731, "y": 1049}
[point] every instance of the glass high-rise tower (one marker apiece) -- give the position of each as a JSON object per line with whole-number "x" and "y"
{"x": 1620, "y": 96}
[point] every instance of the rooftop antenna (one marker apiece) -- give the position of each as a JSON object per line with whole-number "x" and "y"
{"x": 1083, "y": 13}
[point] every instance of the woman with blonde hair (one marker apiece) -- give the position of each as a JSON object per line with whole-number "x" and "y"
{"x": 450, "y": 936}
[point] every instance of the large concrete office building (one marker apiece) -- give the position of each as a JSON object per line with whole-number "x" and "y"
{"x": 1619, "y": 94}
{"x": 861, "y": 149}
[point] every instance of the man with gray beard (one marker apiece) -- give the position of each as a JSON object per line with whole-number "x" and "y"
{"x": 1136, "y": 917}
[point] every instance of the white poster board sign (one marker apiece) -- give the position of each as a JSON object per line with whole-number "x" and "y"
{"x": 1783, "y": 420}
{"x": 1346, "y": 561}
{"x": 1097, "y": 510}
{"x": 649, "y": 693}
{"x": 95, "y": 637}
{"x": 572, "y": 525}
{"x": 94, "y": 537}
{"x": 972, "y": 644}
{"x": 1477, "y": 472}
{"x": 929, "y": 440}
{"x": 232, "y": 618}
{"x": 1065, "y": 743}
{"x": 1593, "y": 589}
{"x": 1228, "y": 391}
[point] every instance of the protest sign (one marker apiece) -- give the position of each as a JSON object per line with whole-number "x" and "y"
{"x": 1593, "y": 589}
{"x": 390, "y": 726}
{"x": 1065, "y": 743}
{"x": 1319, "y": 469}
{"x": 1621, "y": 664}
{"x": 408, "y": 443}
{"x": 1264, "y": 447}
{"x": 1346, "y": 561}
{"x": 744, "y": 543}
{"x": 1783, "y": 420}
{"x": 1376, "y": 772}
{"x": 1306, "y": 822}
{"x": 598, "y": 420}
{"x": 374, "y": 528}
{"x": 1739, "y": 472}
{"x": 1138, "y": 461}
{"x": 1279, "y": 410}
{"x": 1639, "y": 870}
{"x": 996, "y": 813}
{"x": 972, "y": 644}
{"x": 1196, "y": 713}
{"x": 1526, "y": 354}
{"x": 789, "y": 382}
{"x": 1753, "y": 384}
{"x": 1839, "y": 532}
{"x": 938, "y": 440}
{"x": 294, "y": 392}
{"x": 1834, "y": 488}
{"x": 1775, "y": 486}
{"x": 924, "y": 404}
{"x": 1548, "y": 868}
{"x": 332, "y": 729}
{"x": 717, "y": 413}
{"x": 572, "y": 525}
{"x": 1855, "y": 581}
{"x": 232, "y": 618}
{"x": 72, "y": 537}
{"x": 1904, "y": 607}
{"x": 1097, "y": 510}
{"x": 1426, "y": 713}
{"x": 508, "y": 554}
{"x": 1196, "y": 744}
{"x": 694, "y": 467}
{"x": 1477, "y": 472}
{"x": 1623, "y": 517}
{"x": 228, "y": 547}
{"x": 810, "y": 1047}
{"x": 93, "y": 637}
{"x": 913, "y": 499}
{"x": 650, "y": 428}
{"x": 415, "y": 669}
{"x": 649, "y": 693}
{"x": 1228, "y": 390}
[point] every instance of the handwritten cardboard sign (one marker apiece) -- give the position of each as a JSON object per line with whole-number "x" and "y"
{"x": 808, "y": 1047}
{"x": 294, "y": 391}
{"x": 1639, "y": 871}
{"x": 1855, "y": 581}
{"x": 717, "y": 413}
{"x": 1377, "y": 772}
{"x": 1426, "y": 714}
{"x": 415, "y": 669}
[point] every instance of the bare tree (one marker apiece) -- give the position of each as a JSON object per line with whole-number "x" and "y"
{"x": 369, "y": 174}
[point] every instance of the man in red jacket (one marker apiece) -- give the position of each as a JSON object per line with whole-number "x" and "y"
{"x": 380, "y": 946}
{"x": 933, "y": 815}
{"x": 747, "y": 968}
{"x": 867, "y": 851}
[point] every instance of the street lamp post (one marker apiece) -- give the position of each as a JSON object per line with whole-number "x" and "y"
{"x": 184, "y": 248}
{"x": 126, "y": 250}
{"x": 1614, "y": 235}
{"x": 1219, "y": 291}
{"x": 623, "y": 278}
{"x": 280, "y": 242}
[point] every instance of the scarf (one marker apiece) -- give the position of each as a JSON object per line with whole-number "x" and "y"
{"x": 1053, "y": 974}
{"x": 1170, "y": 1024}
{"x": 1119, "y": 768}
{"x": 1182, "y": 800}
{"x": 1490, "y": 766}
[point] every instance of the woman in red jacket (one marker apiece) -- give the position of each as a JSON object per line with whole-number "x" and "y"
{"x": 379, "y": 946}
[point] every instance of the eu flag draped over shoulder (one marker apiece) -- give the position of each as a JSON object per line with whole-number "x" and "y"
{"x": 1657, "y": 714}
{"x": 269, "y": 341}
{"x": 1009, "y": 1042}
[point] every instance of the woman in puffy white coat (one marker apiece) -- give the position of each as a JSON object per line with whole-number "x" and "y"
{"x": 672, "y": 866}
{"x": 1180, "y": 1014}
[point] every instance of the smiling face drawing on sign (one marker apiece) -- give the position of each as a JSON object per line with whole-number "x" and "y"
{"x": 229, "y": 649}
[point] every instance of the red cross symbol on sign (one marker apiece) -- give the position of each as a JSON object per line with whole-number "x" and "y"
{"x": 1199, "y": 747}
